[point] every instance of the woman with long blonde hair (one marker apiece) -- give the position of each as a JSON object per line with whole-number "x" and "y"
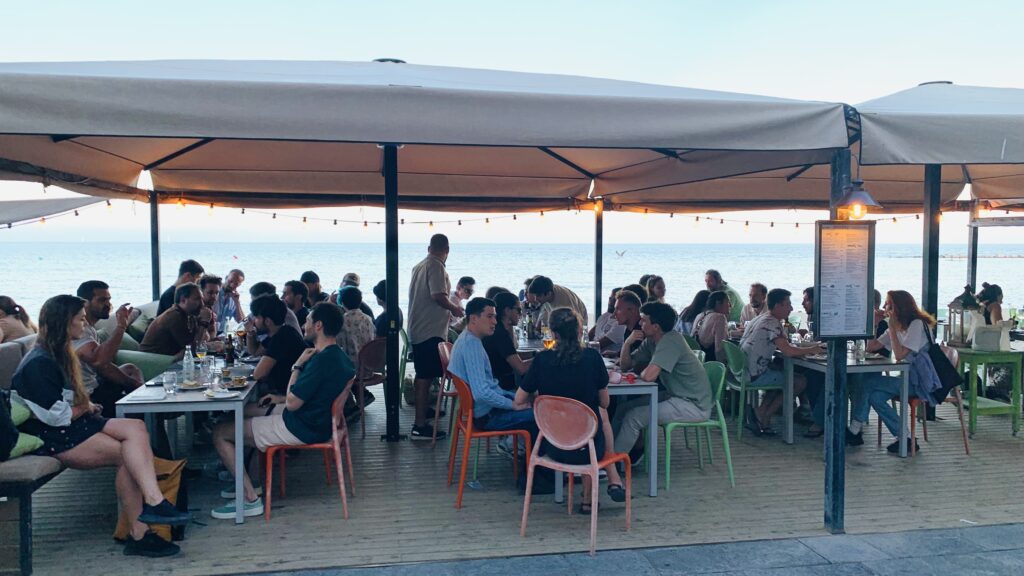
{"x": 49, "y": 383}
{"x": 909, "y": 333}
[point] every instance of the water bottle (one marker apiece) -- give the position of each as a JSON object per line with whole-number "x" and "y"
{"x": 188, "y": 364}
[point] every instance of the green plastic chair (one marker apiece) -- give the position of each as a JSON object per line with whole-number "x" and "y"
{"x": 716, "y": 375}
{"x": 691, "y": 342}
{"x": 700, "y": 355}
{"x": 738, "y": 379}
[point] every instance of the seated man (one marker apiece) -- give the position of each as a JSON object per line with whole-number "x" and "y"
{"x": 302, "y": 415}
{"x": 380, "y": 323}
{"x": 282, "y": 347}
{"x": 314, "y": 293}
{"x": 227, "y": 306}
{"x": 105, "y": 382}
{"x": 684, "y": 391}
{"x": 761, "y": 338}
{"x": 210, "y": 289}
{"x": 493, "y": 408}
{"x": 351, "y": 280}
{"x": 758, "y": 293}
{"x": 294, "y": 297}
{"x": 188, "y": 271}
{"x": 506, "y": 364}
{"x": 548, "y": 295}
{"x": 254, "y": 342}
{"x": 357, "y": 328}
{"x": 627, "y": 314}
{"x": 462, "y": 292}
{"x": 184, "y": 324}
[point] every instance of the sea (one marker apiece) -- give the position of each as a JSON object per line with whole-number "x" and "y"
{"x": 32, "y": 272}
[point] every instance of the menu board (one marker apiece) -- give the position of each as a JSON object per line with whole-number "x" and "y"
{"x": 844, "y": 271}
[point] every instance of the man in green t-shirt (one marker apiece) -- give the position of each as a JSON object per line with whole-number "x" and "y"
{"x": 303, "y": 414}
{"x": 713, "y": 280}
{"x": 684, "y": 392}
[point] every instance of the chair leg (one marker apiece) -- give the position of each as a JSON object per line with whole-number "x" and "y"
{"x": 341, "y": 481}
{"x": 452, "y": 427}
{"x": 739, "y": 415}
{"x": 960, "y": 413}
{"x": 629, "y": 494}
{"x": 437, "y": 410}
{"x": 476, "y": 458}
{"x": 327, "y": 466}
{"x": 351, "y": 470}
{"x": 700, "y": 451}
{"x": 668, "y": 455}
{"x": 924, "y": 424}
{"x": 25, "y": 532}
{"x": 593, "y": 509}
{"x": 707, "y": 433}
{"x": 464, "y": 468}
{"x": 526, "y": 500}
{"x": 268, "y": 488}
{"x": 570, "y": 490}
{"x": 281, "y": 454}
{"x": 725, "y": 448}
{"x": 913, "y": 429}
{"x": 451, "y": 453}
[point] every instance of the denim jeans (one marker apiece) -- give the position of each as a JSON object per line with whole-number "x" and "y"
{"x": 876, "y": 392}
{"x": 499, "y": 419}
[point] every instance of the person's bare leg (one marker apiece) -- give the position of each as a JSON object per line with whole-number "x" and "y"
{"x": 224, "y": 443}
{"x": 130, "y": 497}
{"x": 422, "y": 388}
{"x": 770, "y": 407}
{"x": 609, "y": 442}
{"x": 136, "y": 455}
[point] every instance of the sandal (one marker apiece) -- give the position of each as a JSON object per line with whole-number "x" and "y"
{"x": 585, "y": 508}
{"x": 616, "y": 492}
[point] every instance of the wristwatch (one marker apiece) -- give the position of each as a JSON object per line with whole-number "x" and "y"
{"x": 298, "y": 367}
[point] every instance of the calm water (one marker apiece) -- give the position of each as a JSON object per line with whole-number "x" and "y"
{"x": 36, "y": 271}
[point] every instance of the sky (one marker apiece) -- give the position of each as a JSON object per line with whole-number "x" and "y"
{"x": 834, "y": 51}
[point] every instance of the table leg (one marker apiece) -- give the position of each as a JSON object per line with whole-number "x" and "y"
{"x": 904, "y": 409}
{"x": 787, "y": 402}
{"x": 972, "y": 420}
{"x": 652, "y": 446}
{"x": 151, "y": 425}
{"x": 1015, "y": 401}
{"x": 559, "y": 489}
{"x": 239, "y": 464}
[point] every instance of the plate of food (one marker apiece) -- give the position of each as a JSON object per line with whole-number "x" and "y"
{"x": 191, "y": 385}
{"x": 221, "y": 394}
{"x": 236, "y": 383}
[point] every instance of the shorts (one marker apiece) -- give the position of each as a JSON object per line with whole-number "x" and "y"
{"x": 770, "y": 377}
{"x": 270, "y": 431}
{"x": 427, "y": 359}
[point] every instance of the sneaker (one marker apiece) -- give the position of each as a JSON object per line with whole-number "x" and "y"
{"x": 426, "y": 433}
{"x": 894, "y": 448}
{"x": 225, "y": 476}
{"x": 854, "y": 439}
{"x": 150, "y": 546}
{"x": 227, "y": 512}
{"x": 229, "y": 493}
{"x": 504, "y": 447}
{"x": 164, "y": 513}
{"x": 434, "y": 416}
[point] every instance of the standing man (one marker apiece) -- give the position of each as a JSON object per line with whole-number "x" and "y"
{"x": 227, "y": 305}
{"x": 294, "y": 297}
{"x": 758, "y": 295}
{"x": 713, "y": 281}
{"x": 188, "y": 271}
{"x": 548, "y": 295}
{"x": 105, "y": 382}
{"x": 429, "y": 312}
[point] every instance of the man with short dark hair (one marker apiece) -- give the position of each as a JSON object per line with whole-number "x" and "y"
{"x": 302, "y": 415}
{"x": 282, "y": 347}
{"x": 549, "y": 296}
{"x": 380, "y": 323}
{"x": 267, "y": 289}
{"x": 294, "y": 297}
{"x": 684, "y": 391}
{"x": 351, "y": 280}
{"x": 184, "y": 324}
{"x": 627, "y": 314}
{"x": 713, "y": 281}
{"x": 104, "y": 381}
{"x": 188, "y": 271}
{"x": 463, "y": 291}
{"x": 210, "y": 288}
{"x": 429, "y": 312}
{"x": 493, "y": 408}
{"x": 314, "y": 294}
{"x": 357, "y": 328}
{"x": 808, "y": 306}
{"x": 227, "y": 305}
{"x": 758, "y": 293}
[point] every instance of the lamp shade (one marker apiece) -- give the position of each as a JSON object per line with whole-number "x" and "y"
{"x": 856, "y": 201}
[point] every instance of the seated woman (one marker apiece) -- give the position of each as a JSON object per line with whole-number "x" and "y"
{"x": 710, "y": 327}
{"x": 1000, "y": 376}
{"x": 571, "y": 371}
{"x": 689, "y": 314}
{"x": 49, "y": 383}
{"x": 14, "y": 321}
{"x": 501, "y": 346}
{"x": 991, "y": 300}
{"x": 908, "y": 334}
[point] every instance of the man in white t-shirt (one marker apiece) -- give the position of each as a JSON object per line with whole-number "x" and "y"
{"x": 758, "y": 297}
{"x": 105, "y": 382}
{"x": 463, "y": 291}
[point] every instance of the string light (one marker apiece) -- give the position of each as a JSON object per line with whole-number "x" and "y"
{"x": 541, "y": 213}
{"x": 513, "y": 217}
{"x": 431, "y": 224}
{"x": 366, "y": 224}
{"x": 894, "y": 220}
{"x": 772, "y": 225}
{"x": 109, "y": 206}
{"x": 460, "y": 222}
{"x": 243, "y": 211}
{"x": 403, "y": 220}
{"x": 76, "y": 212}
{"x": 721, "y": 221}
{"x": 303, "y": 219}
{"x": 273, "y": 216}
{"x": 486, "y": 221}
{"x": 746, "y": 225}
{"x": 335, "y": 221}
{"x": 210, "y": 212}
{"x": 797, "y": 224}
{"x": 181, "y": 203}
{"x": 42, "y": 220}
{"x": 917, "y": 216}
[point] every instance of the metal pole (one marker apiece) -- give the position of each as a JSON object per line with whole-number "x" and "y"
{"x": 930, "y": 248}
{"x": 972, "y": 248}
{"x": 598, "y": 258}
{"x": 835, "y": 385}
{"x": 154, "y": 241}
{"x": 392, "y": 387}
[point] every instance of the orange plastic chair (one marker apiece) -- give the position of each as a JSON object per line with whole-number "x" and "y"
{"x": 339, "y": 439}
{"x": 444, "y": 349}
{"x": 464, "y": 426}
{"x": 570, "y": 425}
{"x": 369, "y": 372}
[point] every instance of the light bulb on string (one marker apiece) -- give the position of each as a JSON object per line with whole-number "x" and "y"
{"x": 243, "y": 211}
{"x": 110, "y": 207}
{"x": 721, "y": 221}
{"x": 917, "y": 216}
{"x": 460, "y": 222}
{"x": 335, "y": 221}
{"x": 797, "y": 225}
{"x": 181, "y": 202}
{"x": 42, "y": 220}
{"x": 366, "y": 224}
{"x": 210, "y": 212}
{"x": 430, "y": 224}
{"x": 541, "y": 213}
{"x": 487, "y": 220}
{"x": 304, "y": 220}
{"x": 76, "y": 212}
{"x": 273, "y": 216}
{"x": 746, "y": 225}
{"x": 403, "y": 221}
{"x": 894, "y": 220}
{"x": 514, "y": 217}
{"x": 772, "y": 225}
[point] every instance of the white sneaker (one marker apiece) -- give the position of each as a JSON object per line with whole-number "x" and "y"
{"x": 227, "y": 512}
{"x": 230, "y": 492}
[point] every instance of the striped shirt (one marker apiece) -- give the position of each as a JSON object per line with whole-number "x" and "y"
{"x": 470, "y": 363}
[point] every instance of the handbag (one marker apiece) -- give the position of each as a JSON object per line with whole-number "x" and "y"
{"x": 948, "y": 374}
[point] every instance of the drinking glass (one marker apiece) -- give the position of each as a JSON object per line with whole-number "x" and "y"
{"x": 201, "y": 351}
{"x": 170, "y": 380}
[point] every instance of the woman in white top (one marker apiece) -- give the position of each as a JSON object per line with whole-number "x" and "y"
{"x": 907, "y": 334}
{"x": 710, "y": 328}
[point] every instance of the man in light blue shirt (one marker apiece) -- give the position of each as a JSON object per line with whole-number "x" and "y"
{"x": 227, "y": 305}
{"x": 493, "y": 408}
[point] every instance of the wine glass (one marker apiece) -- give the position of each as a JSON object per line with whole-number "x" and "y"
{"x": 201, "y": 351}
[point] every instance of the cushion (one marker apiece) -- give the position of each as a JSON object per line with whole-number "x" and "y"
{"x": 149, "y": 363}
{"x": 26, "y": 443}
{"x": 26, "y": 342}
{"x": 19, "y": 413}
{"x": 129, "y": 343}
{"x": 137, "y": 329}
{"x": 10, "y": 357}
{"x": 28, "y": 469}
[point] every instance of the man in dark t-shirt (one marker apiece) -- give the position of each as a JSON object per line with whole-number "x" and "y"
{"x": 282, "y": 347}
{"x": 188, "y": 271}
{"x": 501, "y": 346}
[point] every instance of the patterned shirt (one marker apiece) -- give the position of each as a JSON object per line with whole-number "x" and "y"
{"x": 356, "y": 331}
{"x": 758, "y": 343}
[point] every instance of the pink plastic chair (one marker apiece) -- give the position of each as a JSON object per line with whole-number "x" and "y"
{"x": 570, "y": 425}
{"x": 446, "y": 390}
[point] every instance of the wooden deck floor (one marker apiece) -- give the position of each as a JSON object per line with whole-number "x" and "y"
{"x": 404, "y": 512}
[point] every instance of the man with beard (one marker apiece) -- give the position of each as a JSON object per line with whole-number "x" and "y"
{"x": 226, "y": 306}
{"x": 184, "y": 324}
{"x": 282, "y": 347}
{"x": 105, "y": 381}
{"x": 210, "y": 288}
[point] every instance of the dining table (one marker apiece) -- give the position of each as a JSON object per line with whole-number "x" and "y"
{"x": 152, "y": 399}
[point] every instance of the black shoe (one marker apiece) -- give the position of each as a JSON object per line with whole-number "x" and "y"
{"x": 616, "y": 492}
{"x": 434, "y": 416}
{"x": 894, "y": 448}
{"x": 150, "y": 546}
{"x": 854, "y": 439}
{"x": 368, "y": 398}
{"x": 164, "y": 513}
{"x": 426, "y": 433}
{"x": 636, "y": 457}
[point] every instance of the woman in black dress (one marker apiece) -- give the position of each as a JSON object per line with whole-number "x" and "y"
{"x": 49, "y": 383}
{"x": 571, "y": 371}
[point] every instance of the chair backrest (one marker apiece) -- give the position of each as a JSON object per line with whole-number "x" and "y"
{"x": 444, "y": 349}
{"x": 338, "y": 408}
{"x": 372, "y": 357}
{"x": 716, "y": 376}
{"x": 405, "y": 338}
{"x": 691, "y": 342}
{"x": 699, "y": 354}
{"x": 566, "y": 423}
{"x": 465, "y": 398}
{"x": 737, "y": 361}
